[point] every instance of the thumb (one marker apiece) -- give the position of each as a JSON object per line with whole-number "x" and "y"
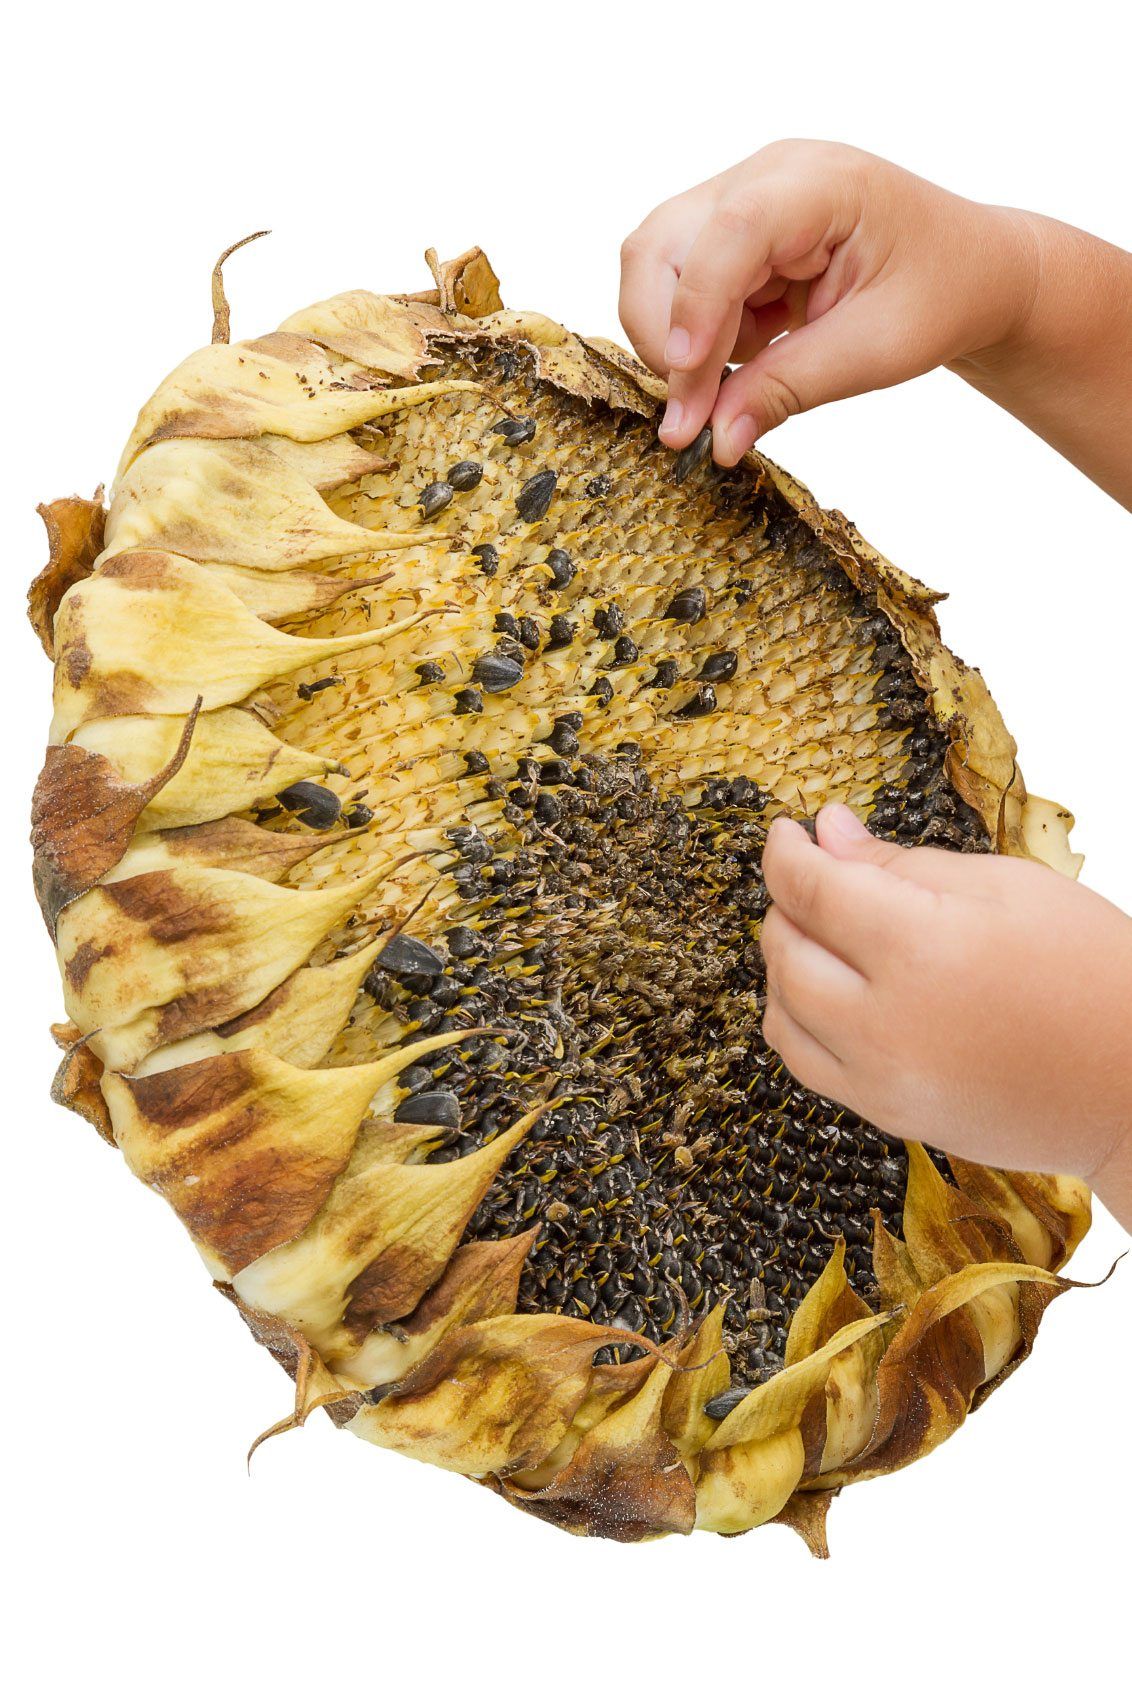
{"x": 841, "y": 833}
{"x": 852, "y": 348}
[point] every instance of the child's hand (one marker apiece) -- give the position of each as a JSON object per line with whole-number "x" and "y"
{"x": 889, "y": 275}
{"x": 878, "y": 276}
{"x": 975, "y": 1002}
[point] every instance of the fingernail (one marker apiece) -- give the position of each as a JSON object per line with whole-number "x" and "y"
{"x": 841, "y": 823}
{"x": 678, "y": 347}
{"x": 740, "y": 434}
{"x": 673, "y": 418}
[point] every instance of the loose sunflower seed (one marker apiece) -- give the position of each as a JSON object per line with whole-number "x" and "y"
{"x": 515, "y": 431}
{"x": 727, "y": 1401}
{"x": 496, "y": 672}
{"x": 311, "y": 804}
{"x": 408, "y": 956}
{"x": 721, "y": 667}
{"x": 434, "y": 1107}
{"x": 435, "y": 498}
{"x": 688, "y": 607}
{"x": 534, "y": 498}
{"x": 562, "y": 567}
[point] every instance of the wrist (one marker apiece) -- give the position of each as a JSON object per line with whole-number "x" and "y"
{"x": 1013, "y": 266}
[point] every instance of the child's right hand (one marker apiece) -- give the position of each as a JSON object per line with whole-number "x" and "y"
{"x": 878, "y": 275}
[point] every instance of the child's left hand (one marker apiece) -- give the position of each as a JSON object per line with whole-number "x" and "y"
{"x": 975, "y": 1002}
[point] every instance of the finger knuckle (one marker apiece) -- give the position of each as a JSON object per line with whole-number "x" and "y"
{"x": 694, "y": 297}
{"x": 739, "y": 212}
{"x": 783, "y": 148}
{"x": 778, "y": 400}
{"x": 803, "y": 152}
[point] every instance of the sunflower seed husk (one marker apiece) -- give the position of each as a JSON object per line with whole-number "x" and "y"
{"x": 434, "y": 498}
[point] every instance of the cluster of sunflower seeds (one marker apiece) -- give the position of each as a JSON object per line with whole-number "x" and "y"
{"x": 651, "y": 659}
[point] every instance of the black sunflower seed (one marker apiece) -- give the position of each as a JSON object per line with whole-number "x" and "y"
{"x": 562, "y": 631}
{"x": 434, "y": 1107}
{"x": 702, "y": 702}
{"x": 415, "y": 1078}
{"x": 694, "y": 454}
{"x": 435, "y": 498}
{"x": 721, "y": 667}
{"x": 561, "y": 567}
{"x": 515, "y": 431}
{"x": 430, "y": 671}
{"x": 496, "y": 672}
{"x": 463, "y": 942}
{"x": 407, "y": 956}
{"x": 609, "y": 620}
{"x": 469, "y": 701}
{"x": 665, "y": 674}
{"x": 488, "y": 556}
{"x": 727, "y": 1400}
{"x": 465, "y": 475}
{"x": 688, "y": 607}
{"x": 358, "y": 815}
{"x": 534, "y": 498}
{"x": 563, "y": 739}
{"x": 311, "y": 804}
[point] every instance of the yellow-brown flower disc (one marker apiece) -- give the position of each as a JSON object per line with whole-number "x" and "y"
{"x": 418, "y": 721}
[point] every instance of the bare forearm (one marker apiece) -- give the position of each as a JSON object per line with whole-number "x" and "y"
{"x": 1066, "y": 368}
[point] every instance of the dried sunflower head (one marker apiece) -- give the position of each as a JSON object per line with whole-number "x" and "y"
{"x": 418, "y": 719}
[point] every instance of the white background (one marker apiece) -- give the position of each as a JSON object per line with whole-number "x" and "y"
{"x": 142, "y": 141}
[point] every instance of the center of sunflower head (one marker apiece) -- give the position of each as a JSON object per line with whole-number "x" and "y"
{"x": 616, "y": 952}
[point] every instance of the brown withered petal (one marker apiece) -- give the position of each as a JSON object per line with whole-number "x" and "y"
{"x": 78, "y": 1079}
{"x": 83, "y": 817}
{"x": 626, "y": 1479}
{"x": 75, "y": 530}
{"x": 418, "y": 720}
{"x": 233, "y": 762}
